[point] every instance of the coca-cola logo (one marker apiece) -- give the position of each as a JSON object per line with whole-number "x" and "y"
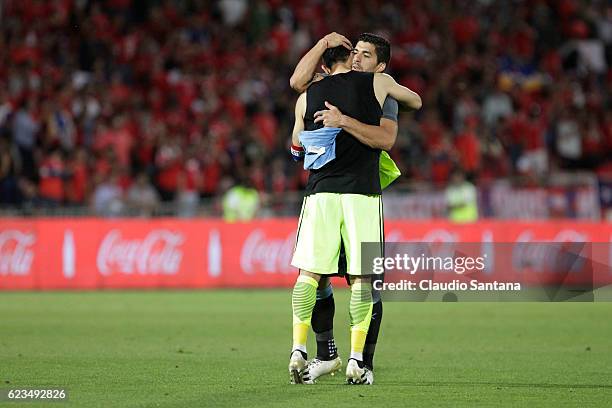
{"x": 267, "y": 255}
{"x": 16, "y": 254}
{"x": 158, "y": 253}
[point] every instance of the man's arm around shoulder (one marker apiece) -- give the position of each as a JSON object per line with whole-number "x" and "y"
{"x": 384, "y": 85}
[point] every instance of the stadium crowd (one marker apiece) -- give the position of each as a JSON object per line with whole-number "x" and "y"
{"x": 125, "y": 102}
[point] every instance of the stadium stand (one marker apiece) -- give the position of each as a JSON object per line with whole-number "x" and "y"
{"x": 128, "y": 107}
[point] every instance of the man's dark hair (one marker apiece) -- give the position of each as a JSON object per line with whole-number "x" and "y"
{"x": 334, "y": 55}
{"x": 382, "y": 46}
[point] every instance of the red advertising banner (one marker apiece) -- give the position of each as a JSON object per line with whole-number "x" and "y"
{"x": 89, "y": 253}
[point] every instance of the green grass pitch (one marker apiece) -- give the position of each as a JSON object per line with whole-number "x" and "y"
{"x": 231, "y": 348}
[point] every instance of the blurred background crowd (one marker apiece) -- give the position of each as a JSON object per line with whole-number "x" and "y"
{"x": 136, "y": 106}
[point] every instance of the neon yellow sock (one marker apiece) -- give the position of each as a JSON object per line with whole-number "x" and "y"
{"x": 360, "y": 312}
{"x": 358, "y": 339}
{"x": 303, "y": 300}
{"x": 300, "y": 334}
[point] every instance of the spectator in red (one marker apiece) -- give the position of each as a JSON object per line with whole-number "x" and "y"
{"x": 188, "y": 187}
{"x": 169, "y": 162}
{"x": 535, "y": 156}
{"x": 266, "y": 125}
{"x": 118, "y": 137}
{"x": 77, "y": 187}
{"x": 213, "y": 160}
{"x": 433, "y": 130}
{"x": 51, "y": 182}
{"x": 465, "y": 29}
{"x": 468, "y": 147}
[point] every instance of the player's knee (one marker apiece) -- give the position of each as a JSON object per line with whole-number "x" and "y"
{"x": 310, "y": 275}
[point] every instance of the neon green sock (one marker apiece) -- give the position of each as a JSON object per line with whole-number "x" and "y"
{"x": 303, "y": 300}
{"x": 360, "y": 312}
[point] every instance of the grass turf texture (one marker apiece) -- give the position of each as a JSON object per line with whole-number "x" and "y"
{"x": 231, "y": 348}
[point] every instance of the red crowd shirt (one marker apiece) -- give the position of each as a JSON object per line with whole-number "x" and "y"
{"x": 468, "y": 146}
{"x": 78, "y": 183}
{"x": 51, "y": 185}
